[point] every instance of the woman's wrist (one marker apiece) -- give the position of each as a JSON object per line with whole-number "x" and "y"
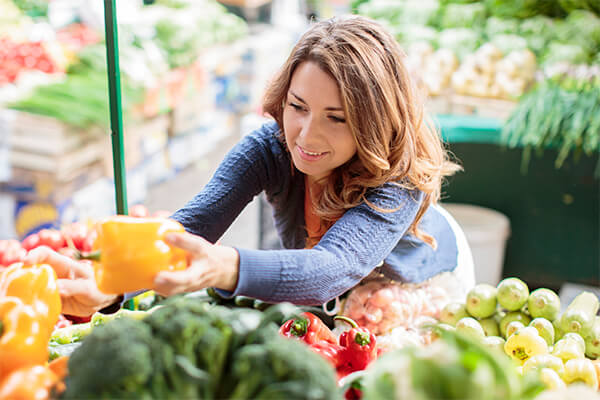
{"x": 228, "y": 270}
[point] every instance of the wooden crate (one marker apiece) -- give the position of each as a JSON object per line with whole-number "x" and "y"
{"x": 46, "y": 145}
{"x": 32, "y": 184}
{"x": 45, "y": 135}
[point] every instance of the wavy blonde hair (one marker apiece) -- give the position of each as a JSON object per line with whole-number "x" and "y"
{"x": 395, "y": 141}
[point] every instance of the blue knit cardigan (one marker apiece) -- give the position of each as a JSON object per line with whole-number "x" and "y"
{"x": 359, "y": 241}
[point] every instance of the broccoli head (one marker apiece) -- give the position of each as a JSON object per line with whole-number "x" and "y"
{"x": 114, "y": 361}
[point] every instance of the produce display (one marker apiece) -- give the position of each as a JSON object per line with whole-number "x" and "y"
{"x": 502, "y": 341}
{"x": 528, "y": 328}
{"x": 540, "y": 57}
{"x": 72, "y": 60}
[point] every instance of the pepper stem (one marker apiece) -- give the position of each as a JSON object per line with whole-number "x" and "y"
{"x": 1, "y": 328}
{"x": 92, "y": 255}
{"x": 346, "y": 319}
{"x": 362, "y": 338}
{"x": 299, "y": 327}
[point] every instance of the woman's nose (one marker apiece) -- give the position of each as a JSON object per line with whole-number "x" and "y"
{"x": 310, "y": 129}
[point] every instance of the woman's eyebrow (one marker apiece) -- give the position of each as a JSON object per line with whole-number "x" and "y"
{"x": 300, "y": 99}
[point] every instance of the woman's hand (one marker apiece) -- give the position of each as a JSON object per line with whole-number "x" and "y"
{"x": 78, "y": 291}
{"x": 209, "y": 266}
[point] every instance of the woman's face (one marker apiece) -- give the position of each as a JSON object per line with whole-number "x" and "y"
{"x": 314, "y": 121}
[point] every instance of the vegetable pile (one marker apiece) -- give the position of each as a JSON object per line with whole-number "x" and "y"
{"x": 551, "y": 31}
{"x": 529, "y": 329}
{"x": 191, "y": 349}
{"x": 29, "y": 308}
{"x": 454, "y": 367}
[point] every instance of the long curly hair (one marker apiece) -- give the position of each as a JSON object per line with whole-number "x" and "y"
{"x": 395, "y": 141}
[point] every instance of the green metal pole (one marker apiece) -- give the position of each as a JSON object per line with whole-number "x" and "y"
{"x": 114, "y": 94}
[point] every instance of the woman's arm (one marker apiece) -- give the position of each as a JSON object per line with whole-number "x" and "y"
{"x": 246, "y": 170}
{"x": 348, "y": 252}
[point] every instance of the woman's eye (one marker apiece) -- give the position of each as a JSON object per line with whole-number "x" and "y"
{"x": 296, "y": 107}
{"x": 337, "y": 119}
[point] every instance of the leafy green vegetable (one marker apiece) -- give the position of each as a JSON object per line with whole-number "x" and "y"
{"x": 560, "y": 113}
{"x": 454, "y": 367}
{"x": 569, "y": 53}
{"x": 524, "y": 8}
{"x": 463, "y": 16}
{"x": 461, "y": 41}
{"x": 495, "y": 26}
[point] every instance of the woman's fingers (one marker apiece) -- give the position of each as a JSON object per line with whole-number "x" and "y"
{"x": 187, "y": 241}
{"x": 64, "y": 266}
{"x": 168, "y": 283}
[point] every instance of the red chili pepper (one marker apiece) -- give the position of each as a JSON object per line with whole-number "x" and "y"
{"x": 308, "y": 328}
{"x": 360, "y": 347}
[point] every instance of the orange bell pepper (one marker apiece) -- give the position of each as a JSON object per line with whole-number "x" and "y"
{"x": 36, "y": 286}
{"x": 131, "y": 251}
{"x": 30, "y": 383}
{"x": 23, "y": 336}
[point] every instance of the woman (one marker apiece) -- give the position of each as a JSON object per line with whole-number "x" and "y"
{"x": 353, "y": 173}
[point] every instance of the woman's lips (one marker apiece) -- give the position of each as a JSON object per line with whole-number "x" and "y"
{"x": 310, "y": 155}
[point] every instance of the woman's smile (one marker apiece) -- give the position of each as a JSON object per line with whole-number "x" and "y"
{"x": 310, "y": 155}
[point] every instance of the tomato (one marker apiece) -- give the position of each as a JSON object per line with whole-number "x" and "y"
{"x": 88, "y": 243}
{"x": 51, "y": 238}
{"x": 31, "y": 242}
{"x": 138, "y": 210}
{"x": 78, "y": 233}
{"x": 11, "y": 252}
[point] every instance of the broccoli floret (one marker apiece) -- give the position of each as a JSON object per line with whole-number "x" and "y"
{"x": 200, "y": 337}
{"x": 282, "y": 368}
{"x": 114, "y": 361}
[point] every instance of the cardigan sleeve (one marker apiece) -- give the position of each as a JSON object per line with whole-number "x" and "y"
{"x": 348, "y": 252}
{"x": 245, "y": 171}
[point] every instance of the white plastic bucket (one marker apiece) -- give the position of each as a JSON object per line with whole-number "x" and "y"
{"x": 487, "y": 231}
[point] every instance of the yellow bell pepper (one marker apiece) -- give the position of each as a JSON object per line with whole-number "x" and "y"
{"x": 525, "y": 343}
{"x": 131, "y": 251}
{"x": 35, "y": 285}
{"x": 567, "y": 349}
{"x": 23, "y": 338}
{"x": 581, "y": 369}
{"x": 29, "y": 383}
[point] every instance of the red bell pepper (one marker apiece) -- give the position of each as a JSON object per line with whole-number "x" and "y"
{"x": 330, "y": 351}
{"x": 308, "y": 328}
{"x": 359, "y": 347}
